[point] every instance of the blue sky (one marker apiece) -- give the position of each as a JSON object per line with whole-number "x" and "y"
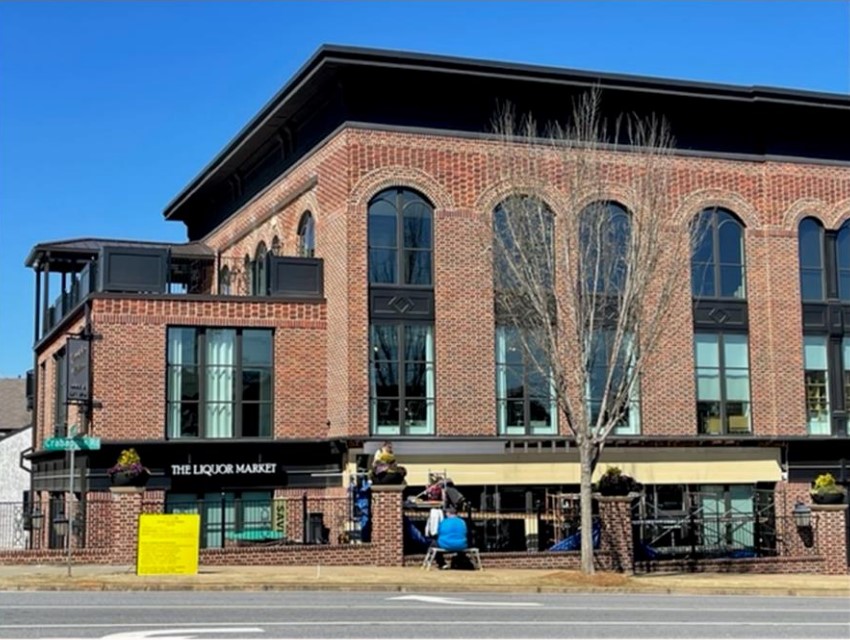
{"x": 108, "y": 110}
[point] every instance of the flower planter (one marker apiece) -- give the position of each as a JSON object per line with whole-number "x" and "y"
{"x": 128, "y": 479}
{"x": 828, "y": 498}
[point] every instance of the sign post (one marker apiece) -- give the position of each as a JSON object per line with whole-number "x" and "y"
{"x": 71, "y": 444}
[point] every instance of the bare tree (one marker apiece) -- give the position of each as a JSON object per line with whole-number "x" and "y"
{"x": 585, "y": 292}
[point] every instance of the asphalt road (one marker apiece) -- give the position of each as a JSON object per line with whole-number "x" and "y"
{"x": 395, "y": 616}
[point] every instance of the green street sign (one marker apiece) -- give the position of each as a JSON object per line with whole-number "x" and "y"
{"x": 78, "y": 443}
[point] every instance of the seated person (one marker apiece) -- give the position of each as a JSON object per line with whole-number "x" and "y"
{"x": 451, "y": 536}
{"x": 385, "y": 469}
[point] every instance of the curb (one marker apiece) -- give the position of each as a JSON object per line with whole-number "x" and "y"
{"x": 99, "y": 585}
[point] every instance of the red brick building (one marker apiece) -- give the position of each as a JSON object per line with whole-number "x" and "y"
{"x": 331, "y": 269}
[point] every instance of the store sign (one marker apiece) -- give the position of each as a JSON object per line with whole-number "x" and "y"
{"x": 225, "y": 469}
{"x": 79, "y": 360}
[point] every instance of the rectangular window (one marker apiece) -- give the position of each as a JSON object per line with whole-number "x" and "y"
{"x": 599, "y": 364}
{"x": 402, "y": 379}
{"x": 60, "y": 407}
{"x": 525, "y": 395}
{"x": 219, "y": 383}
{"x": 723, "y": 383}
{"x": 817, "y": 385}
{"x": 232, "y": 513}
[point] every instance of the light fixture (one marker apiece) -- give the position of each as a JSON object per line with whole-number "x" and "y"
{"x": 802, "y": 515}
{"x": 36, "y": 519}
{"x": 60, "y": 526}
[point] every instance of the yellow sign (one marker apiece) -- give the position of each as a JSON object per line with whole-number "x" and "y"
{"x": 168, "y": 544}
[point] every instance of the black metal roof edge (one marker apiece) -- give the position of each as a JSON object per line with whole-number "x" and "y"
{"x": 396, "y": 58}
{"x": 61, "y": 246}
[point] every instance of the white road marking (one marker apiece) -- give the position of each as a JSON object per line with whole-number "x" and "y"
{"x": 467, "y": 603}
{"x": 169, "y": 634}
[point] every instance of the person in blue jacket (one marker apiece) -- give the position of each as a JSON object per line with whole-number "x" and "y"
{"x": 451, "y": 536}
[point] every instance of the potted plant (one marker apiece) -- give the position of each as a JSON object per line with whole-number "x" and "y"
{"x": 825, "y": 491}
{"x": 616, "y": 483}
{"x": 128, "y": 471}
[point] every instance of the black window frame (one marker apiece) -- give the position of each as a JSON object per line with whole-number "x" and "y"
{"x": 400, "y": 362}
{"x": 306, "y": 241}
{"x": 260, "y": 280}
{"x": 613, "y": 210}
{"x": 400, "y": 248}
{"x": 716, "y": 274}
{"x": 722, "y": 368}
{"x": 238, "y": 403}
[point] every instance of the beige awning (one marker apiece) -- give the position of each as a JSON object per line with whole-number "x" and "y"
{"x": 681, "y": 465}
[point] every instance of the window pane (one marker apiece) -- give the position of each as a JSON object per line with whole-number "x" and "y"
{"x": 382, "y": 266}
{"x": 702, "y": 279}
{"x": 737, "y": 385}
{"x": 707, "y": 351}
{"x": 708, "y": 384}
{"x": 387, "y": 412}
{"x": 386, "y": 379}
{"x": 256, "y": 420}
{"x": 539, "y": 409}
{"x": 416, "y": 413}
{"x": 731, "y": 282}
{"x": 183, "y": 383}
{"x": 738, "y": 417}
{"x": 731, "y": 239}
{"x": 417, "y": 227}
{"x": 385, "y": 342}
{"x": 414, "y": 383}
{"x": 516, "y": 413}
{"x": 515, "y": 385}
{"x": 256, "y": 347}
{"x": 811, "y": 243}
{"x": 417, "y": 267}
{"x": 814, "y": 352}
{"x": 844, "y": 286}
{"x": 811, "y": 284}
{"x": 382, "y": 224}
{"x": 417, "y": 343}
{"x": 256, "y": 385}
{"x": 183, "y": 418}
{"x": 182, "y": 346}
{"x": 735, "y": 351}
{"x": 708, "y": 417}
{"x": 704, "y": 250}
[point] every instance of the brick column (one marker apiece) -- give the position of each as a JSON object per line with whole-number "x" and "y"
{"x": 387, "y": 533}
{"x": 126, "y": 508}
{"x": 615, "y": 545}
{"x": 832, "y": 536}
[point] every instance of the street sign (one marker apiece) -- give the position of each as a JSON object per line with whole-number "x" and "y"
{"x": 77, "y": 443}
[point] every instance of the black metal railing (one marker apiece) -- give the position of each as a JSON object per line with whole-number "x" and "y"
{"x": 228, "y": 521}
{"x": 45, "y": 524}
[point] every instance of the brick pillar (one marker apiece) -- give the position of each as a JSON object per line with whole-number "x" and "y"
{"x": 126, "y": 508}
{"x": 832, "y": 536}
{"x": 387, "y": 533}
{"x": 616, "y": 550}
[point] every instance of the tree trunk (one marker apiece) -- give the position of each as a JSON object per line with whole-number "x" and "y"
{"x": 586, "y": 501}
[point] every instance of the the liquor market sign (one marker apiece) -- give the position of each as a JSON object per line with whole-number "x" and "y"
{"x": 225, "y": 469}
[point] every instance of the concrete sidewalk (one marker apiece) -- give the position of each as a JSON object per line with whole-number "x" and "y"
{"x": 112, "y": 578}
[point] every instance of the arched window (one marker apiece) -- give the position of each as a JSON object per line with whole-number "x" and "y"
{"x": 400, "y": 238}
{"x": 842, "y": 252}
{"x": 247, "y": 276}
{"x": 401, "y": 361}
{"x": 224, "y": 281}
{"x": 523, "y": 254}
{"x": 717, "y": 263}
{"x": 260, "y": 283}
{"x": 605, "y": 229}
{"x": 523, "y": 259}
{"x": 307, "y": 236}
{"x": 810, "y": 243}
